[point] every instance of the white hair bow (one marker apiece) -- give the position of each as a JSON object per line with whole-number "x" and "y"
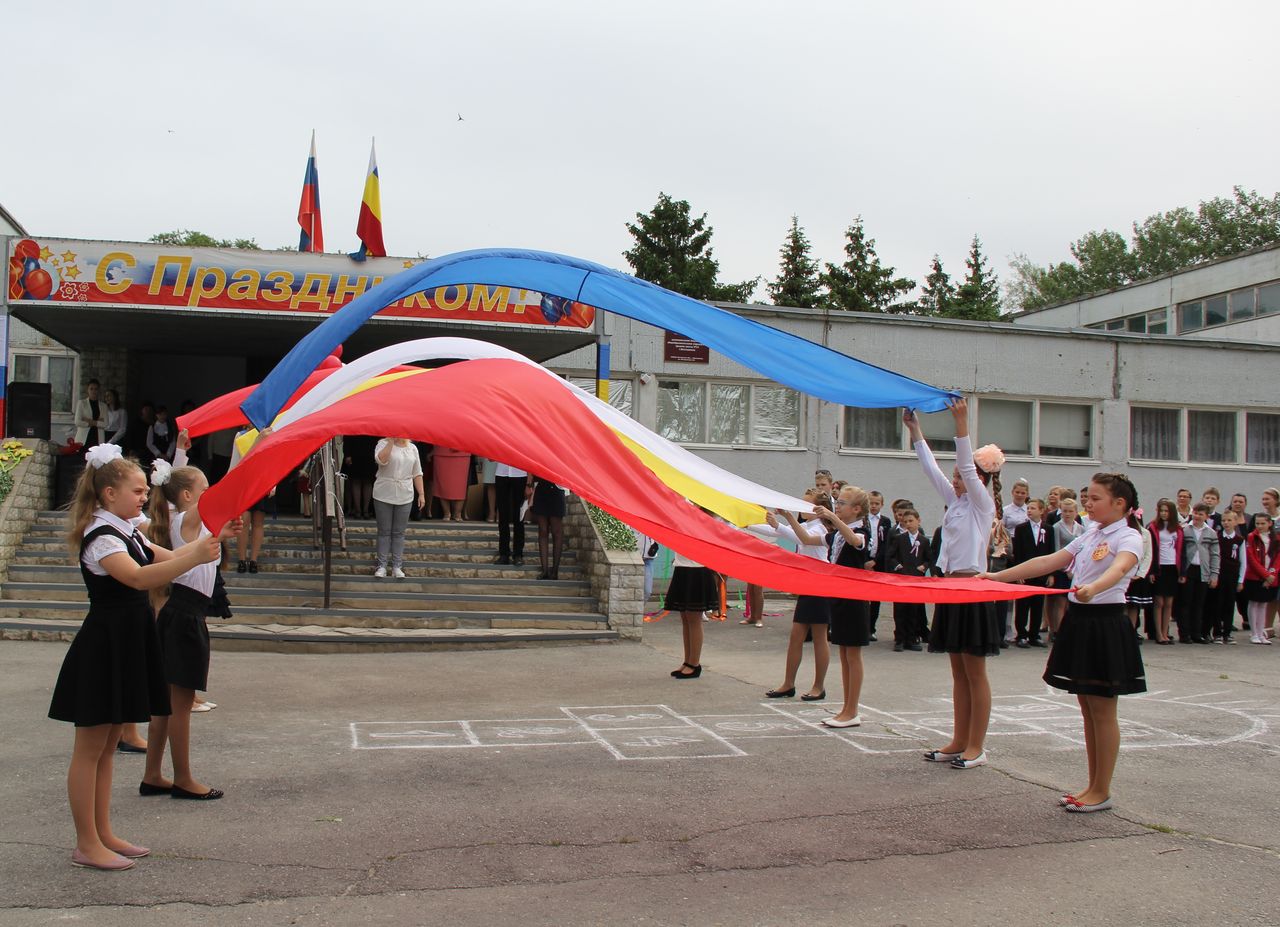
{"x": 101, "y": 454}
{"x": 161, "y": 470}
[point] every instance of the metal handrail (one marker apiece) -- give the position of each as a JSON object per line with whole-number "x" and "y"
{"x": 327, "y": 492}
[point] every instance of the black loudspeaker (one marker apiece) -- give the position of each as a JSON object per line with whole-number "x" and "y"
{"x": 29, "y": 406}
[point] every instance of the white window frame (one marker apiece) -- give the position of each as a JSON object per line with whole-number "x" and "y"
{"x": 46, "y": 357}
{"x": 1238, "y": 462}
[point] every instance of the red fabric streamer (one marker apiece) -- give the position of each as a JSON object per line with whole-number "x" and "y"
{"x": 502, "y": 410}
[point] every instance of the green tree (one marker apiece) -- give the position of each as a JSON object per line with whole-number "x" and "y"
{"x": 188, "y": 238}
{"x": 862, "y": 283}
{"x": 978, "y": 298}
{"x": 939, "y": 292}
{"x": 1160, "y": 244}
{"x": 673, "y": 249}
{"x": 798, "y": 282}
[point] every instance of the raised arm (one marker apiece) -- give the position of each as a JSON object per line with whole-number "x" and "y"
{"x": 835, "y": 521}
{"x": 979, "y": 498}
{"x": 801, "y": 534}
{"x": 925, "y": 456}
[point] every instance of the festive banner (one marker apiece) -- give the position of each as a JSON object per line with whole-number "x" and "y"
{"x": 104, "y": 273}
{"x": 778, "y": 355}
{"x": 501, "y": 409}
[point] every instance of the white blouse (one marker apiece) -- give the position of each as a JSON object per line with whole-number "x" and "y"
{"x": 100, "y": 548}
{"x": 1095, "y": 551}
{"x": 394, "y": 484}
{"x": 201, "y": 578}
{"x": 966, "y": 527}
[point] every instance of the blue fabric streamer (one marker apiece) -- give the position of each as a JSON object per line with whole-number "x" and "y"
{"x": 778, "y": 355}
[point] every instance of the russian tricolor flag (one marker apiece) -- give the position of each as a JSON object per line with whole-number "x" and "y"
{"x": 369, "y": 225}
{"x": 312, "y": 237}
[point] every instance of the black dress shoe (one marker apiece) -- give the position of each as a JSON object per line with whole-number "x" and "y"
{"x": 517, "y": 560}
{"x": 1023, "y": 644}
{"x": 697, "y": 671}
{"x": 814, "y": 698}
{"x": 211, "y": 795}
{"x": 778, "y": 693}
{"x": 253, "y": 566}
{"x": 1036, "y": 642}
{"x": 502, "y": 559}
{"x": 916, "y": 647}
{"x": 126, "y": 747}
{"x": 897, "y": 646}
{"x": 146, "y": 788}
{"x": 242, "y": 566}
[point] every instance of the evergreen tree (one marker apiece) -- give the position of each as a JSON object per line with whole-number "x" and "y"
{"x": 798, "y": 283}
{"x": 939, "y": 293}
{"x": 861, "y": 283}
{"x": 673, "y": 250}
{"x": 978, "y": 298}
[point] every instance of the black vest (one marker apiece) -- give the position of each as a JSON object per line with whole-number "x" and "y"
{"x": 106, "y": 591}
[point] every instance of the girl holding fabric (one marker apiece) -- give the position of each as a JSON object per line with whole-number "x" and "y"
{"x": 967, "y": 633}
{"x": 399, "y": 479}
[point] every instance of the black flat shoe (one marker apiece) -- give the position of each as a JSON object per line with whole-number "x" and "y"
{"x": 253, "y": 566}
{"x": 697, "y": 671}
{"x": 146, "y": 788}
{"x": 814, "y": 698}
{"x": 781, "y": 693}
{"x": 242, "y": 566}
{"x": 125, "y": 747}
{"x": 211, "y": 795}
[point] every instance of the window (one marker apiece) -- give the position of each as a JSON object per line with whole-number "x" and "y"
{"x": 1262, "y": 439}
{"x": 939, "y": 429}
{"x": 1115, "y": 325}
{"x": 730, "y": 414}
{"x": 1158, "y": 322}
{"x": 1269, "y": 299}
{"x": 1190, "y": 317}
{"x": 1211, "y": 436}
{"x": 1242, "y": 304}
{"x": 1136, "y": 323}
{"x": 58, "y": 372}
{"x": 619, "y": 392}
{"x": 879, "y": 429}
{"x": 1215, "y": 311}
{"x": 1006, "y": 423}
{"x": 1154, "y": 434}
{"x": 1065, "y": 429}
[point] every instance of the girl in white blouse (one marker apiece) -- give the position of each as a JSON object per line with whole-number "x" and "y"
{"x": 1095, "y": 656}
{"x": 970, "y": 632}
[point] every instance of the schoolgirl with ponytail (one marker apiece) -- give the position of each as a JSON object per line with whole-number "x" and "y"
{"x": 112, "y": 671}
{"x": 967, "y": 633}
{"x": 183, "y": 633}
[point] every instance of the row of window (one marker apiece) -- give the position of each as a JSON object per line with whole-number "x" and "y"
{"x": 740, "y": 414}
{"x": 1236, "y": 306}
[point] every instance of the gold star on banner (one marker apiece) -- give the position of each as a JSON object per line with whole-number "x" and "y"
{"x": 71, "y": 271}
{"x": 45, "y": 254}
{"x": 408, "y": 263}
{"x": 68, "y": 257}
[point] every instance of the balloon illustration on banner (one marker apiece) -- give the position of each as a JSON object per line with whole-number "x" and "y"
{"x": 778, "y": 355}
{"x": 501, "y": 409}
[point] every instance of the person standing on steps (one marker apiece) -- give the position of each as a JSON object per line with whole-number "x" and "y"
{"x": 510, "y": 483}
{"x": 398, "y": 482}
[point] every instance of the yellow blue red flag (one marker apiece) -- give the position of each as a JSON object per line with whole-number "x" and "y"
{"x": 369, "y": 225}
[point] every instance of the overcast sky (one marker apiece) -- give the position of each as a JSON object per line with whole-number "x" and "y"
{"x": 1026, "y": 123}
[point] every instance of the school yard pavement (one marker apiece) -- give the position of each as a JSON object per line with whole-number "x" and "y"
{"x": 582, "y": 785}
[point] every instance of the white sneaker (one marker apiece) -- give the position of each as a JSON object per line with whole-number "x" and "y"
{"x": 398, "y": 573}
{"x": 380, "y": 572}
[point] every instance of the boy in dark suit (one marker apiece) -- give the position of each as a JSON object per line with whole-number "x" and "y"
{"x": 908, "y": 553}
{"x": 1031, "y": 539}
{"x": 878, "y": 525}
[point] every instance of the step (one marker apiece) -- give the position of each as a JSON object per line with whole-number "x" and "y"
{"x": 373, "y": 600}
{"x": 274, "y": 638}
{"x": 23, "y": 571}
{"x": 338, "y": 615}
{"x": 50, "y": 539}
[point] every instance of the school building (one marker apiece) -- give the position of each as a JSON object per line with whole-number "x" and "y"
{"x": 1168, "y": 380}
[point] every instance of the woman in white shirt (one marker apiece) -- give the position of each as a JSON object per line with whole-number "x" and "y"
{"x": 967, "y": 633}
{"x": 117, "y": 418}
{"x": 399, "y": 479}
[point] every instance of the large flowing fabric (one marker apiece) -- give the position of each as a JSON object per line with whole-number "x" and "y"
{"x": 734, "y": 498}
{"x": 502, "y": 410}
{"x": 785, "y": 358}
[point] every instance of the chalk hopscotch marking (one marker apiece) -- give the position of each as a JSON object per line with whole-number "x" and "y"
{"x": 657, "y": 732}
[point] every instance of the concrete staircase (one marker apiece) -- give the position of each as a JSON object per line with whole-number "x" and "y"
{"x": 453, "y": 597}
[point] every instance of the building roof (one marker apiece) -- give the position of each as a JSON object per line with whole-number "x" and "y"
{"x": 8, "y": 218}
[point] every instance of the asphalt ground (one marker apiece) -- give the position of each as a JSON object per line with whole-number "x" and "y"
{"x": 582, "y": 785}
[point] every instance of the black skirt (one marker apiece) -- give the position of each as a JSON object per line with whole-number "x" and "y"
{"x": 972, "y": 628}
{"x": 812, "y": 609}
{"x": 1096, "y": 653}
{"x": 692, "y": 589}
{"x": 1254, "y": 591}
{"x": 548, "y": 500}
{"x": 112, "y": 673}
{"x": 184, "y": 638}
{"x": 219, "y": 604}
{"x": 850, "y": 623}
{"x": 1166, "y": 582}
{"x": 1139, "y": 592}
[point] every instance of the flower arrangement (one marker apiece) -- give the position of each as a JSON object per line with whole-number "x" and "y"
{"x": 12, "y": 453}
{"x": 616, "y": 534}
